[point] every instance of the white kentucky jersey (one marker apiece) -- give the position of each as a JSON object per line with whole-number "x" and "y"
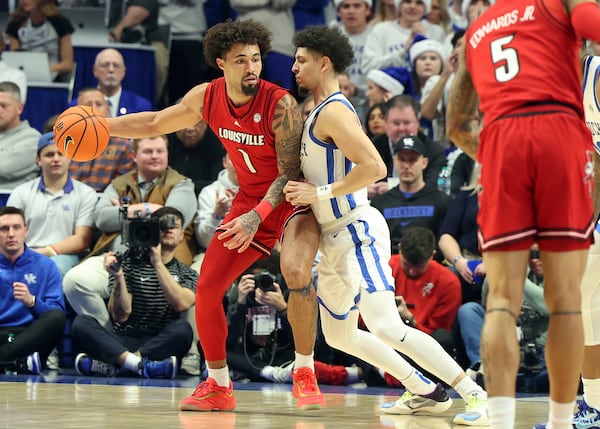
{"x": 591, "y": 102}
{"x": 324, "y": 163}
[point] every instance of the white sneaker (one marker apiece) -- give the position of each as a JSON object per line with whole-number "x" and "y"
{"x": 34, "y": 364}
{"x": 475, "y": 411}
{"x": 190, "y": 364}
{"x": 278, "y": 374}
{"x": 436, "y": 402}
{"x": 53, "y": 361}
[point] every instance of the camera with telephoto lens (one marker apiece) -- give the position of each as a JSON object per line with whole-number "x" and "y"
{"x": 139, "y": 233}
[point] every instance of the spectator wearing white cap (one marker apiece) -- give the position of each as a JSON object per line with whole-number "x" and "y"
{"x": 436, "y": 90}
{"x": 385, "y": 83}
{"x": 426, "y": 60}
{"x": 389, "y": 42}
{"x": 354, "y": 18}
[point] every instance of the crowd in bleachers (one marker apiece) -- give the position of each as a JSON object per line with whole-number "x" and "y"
{"x": 405, "y": 58}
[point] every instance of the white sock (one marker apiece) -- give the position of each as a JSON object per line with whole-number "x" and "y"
{"x": 132, "y": 363}
{"x": 418, "y": 384}
{"x": 352, "y": 374}
{"x": 220, "y": 375}
{"x": 502, "y": 411}
{"x": 561, "y": 415}
{"x": 591, "y": 392}
{"x": 466, "y": 386}
{"x": 304, "y": 361}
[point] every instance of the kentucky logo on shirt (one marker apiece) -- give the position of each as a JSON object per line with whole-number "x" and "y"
{"x": 30, "y": 278}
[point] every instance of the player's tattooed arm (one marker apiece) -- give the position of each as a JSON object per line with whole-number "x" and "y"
{"x": 462, "y": 115}
{"x": 287, "y": 126}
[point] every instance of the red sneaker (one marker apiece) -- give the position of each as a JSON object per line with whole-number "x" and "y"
{"x": 209, "y": 396}
{"x": 306, "y": 390}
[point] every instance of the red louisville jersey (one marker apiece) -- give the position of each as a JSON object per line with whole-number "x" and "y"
{"x": 523, "y": 52}
{"x": 246, "y": 132}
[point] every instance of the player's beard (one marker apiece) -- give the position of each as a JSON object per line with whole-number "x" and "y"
{"x": 250, "y": 90}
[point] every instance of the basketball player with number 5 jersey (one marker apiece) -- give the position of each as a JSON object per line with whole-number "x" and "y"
{"x": 522, "y": 58}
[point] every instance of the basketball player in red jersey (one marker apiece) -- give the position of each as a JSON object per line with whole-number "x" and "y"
{"x": 536, "y": 181}
{"x": 260, "y": 126}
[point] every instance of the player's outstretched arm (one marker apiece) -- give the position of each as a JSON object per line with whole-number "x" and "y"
{"x": 462, "y": 126}
{"x": 173, "y": 118}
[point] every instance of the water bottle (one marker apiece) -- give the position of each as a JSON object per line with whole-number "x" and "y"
{"x": 11, "y": 337}
{"x": 443, "y": 182}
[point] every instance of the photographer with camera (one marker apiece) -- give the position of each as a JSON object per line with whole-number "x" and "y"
{"x": 150, "y": 289}
{"x": 146, "y": 188}
{"x": 260, "y": 337}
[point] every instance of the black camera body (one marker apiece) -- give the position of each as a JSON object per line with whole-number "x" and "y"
{"x": 264, "y": 281}
{"x": 139, "y": 233}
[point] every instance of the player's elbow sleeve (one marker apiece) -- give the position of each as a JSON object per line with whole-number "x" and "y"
{"x": 585, "y": 19}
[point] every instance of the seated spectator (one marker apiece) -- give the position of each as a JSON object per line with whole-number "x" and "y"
{"x": 277, "y": 66}
{"x": 18, "y": 140}
{"x": 532, "y": 322}
{"x": 12, "y": 74}
{"x": 149, "y": 293}
{"x": 38, "y": 26}
{"x": 383, "y": 84}
{"x": 214, "y": 203}
{"x": 436, "y": 89}
{"x": 388, "y": 42}
{"x": 413, "y": 202}
{"x": 109, "y": 70}
{"x": 32, "y": 308}
{"x": 148, "y": 187}
{"x": 117, "y": 158}
{"x": 375, "y": 121}
{"x": 427, "y": 61}
{"x": 187, "y": 65}
{"x": 458, "y": 241}
{"x": 260, "y": 342}
{"x": 402, "y": 119}
{"x": 197, "y": 153}
{"x": 259, "y": 335}
{"x": 59, "y": 211}
{"x": 354, "y": 18}
{"x": 462, "y": 168}
{"x": 352, "y": 93}
{"x": 137, "y": 22}
{"x": 427, "y": 293}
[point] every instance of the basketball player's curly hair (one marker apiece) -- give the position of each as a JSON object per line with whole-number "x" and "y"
{"x": 221, "y": 37}
{"x": 329, "y": 42}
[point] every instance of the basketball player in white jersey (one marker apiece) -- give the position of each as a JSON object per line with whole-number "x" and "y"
{"x": 339, "y": 161}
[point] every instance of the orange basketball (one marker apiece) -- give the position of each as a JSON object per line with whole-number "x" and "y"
{"x": 81, "y": 133}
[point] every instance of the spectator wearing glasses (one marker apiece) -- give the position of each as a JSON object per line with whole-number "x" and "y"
{"x": 109, "y": 70}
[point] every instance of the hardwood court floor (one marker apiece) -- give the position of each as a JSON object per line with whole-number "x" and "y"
{"x": 72, "y": 402}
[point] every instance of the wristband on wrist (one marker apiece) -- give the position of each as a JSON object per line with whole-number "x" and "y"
{"x": 51, "y": 250}
{"x": 33, "y": 303}
{"x": 456, "y": 259}
{"x": 325, "y": 192}
{"x": 264, "y": 208}
{"x": 147, "y": 207}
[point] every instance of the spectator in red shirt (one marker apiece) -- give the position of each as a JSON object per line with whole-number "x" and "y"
{"x": 427, "y": 293}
